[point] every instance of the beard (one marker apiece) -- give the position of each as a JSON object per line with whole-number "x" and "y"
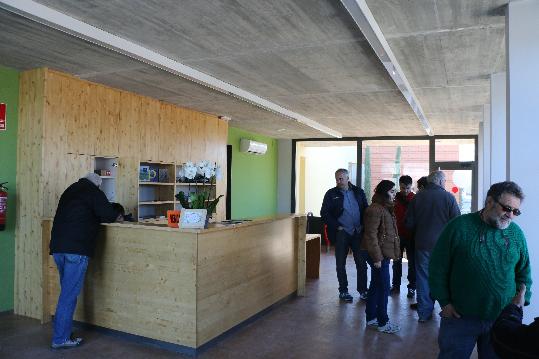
{"x": 498, "y": 222}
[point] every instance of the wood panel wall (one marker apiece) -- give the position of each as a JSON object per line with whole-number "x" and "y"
{"x": 29, "y": 195}
{"x": 65, "y": 122}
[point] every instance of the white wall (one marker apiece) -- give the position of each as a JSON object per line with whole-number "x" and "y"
{"x": 284, "y": 175}
{"x": 480, "y": 163}
{"x": 498, "y": 124}
{"x": 486, "y": 154}
{"x": 522, "y": 41}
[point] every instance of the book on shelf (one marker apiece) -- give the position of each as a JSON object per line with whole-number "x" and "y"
{"x": 163, "y": 175}
{"x": 153, "y": 174}
{"x": 144, "y": 174}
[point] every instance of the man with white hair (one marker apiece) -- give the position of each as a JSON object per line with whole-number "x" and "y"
{"x": 427, "y": 214}
{"x": 479, "y": 262}
{"x": 81, "y": 208}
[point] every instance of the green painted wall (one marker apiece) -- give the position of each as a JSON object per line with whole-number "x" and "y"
{"x": 9, "y": 94}
{"x": 254, "y": 178}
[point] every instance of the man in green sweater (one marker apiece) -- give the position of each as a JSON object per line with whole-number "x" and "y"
{"x": 477, "y": 265}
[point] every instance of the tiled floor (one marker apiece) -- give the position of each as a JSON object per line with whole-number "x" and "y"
{"x": 315, "y": 326}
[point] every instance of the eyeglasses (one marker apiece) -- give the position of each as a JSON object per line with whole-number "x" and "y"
{"x": 508, "y": 209}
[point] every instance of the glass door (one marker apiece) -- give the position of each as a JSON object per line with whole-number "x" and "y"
{"x": 390, "y": 159}
{"x": 315, "y": 166}
{"x": 459, "y": 182}
{"x": 456, "y": 157}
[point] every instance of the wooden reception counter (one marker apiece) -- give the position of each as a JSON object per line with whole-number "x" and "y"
{"x": 184, "y": 287}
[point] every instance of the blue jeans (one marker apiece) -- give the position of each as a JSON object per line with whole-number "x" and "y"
{"x": 425, "y": 304}
{"x": 71, "y": 268}
{"x": 457, "y": 338}
{"x": 343, "y": 243}
{"x": 378, "y": 293}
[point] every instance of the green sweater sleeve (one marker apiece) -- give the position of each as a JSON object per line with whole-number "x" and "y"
{"x": 523, "y": 271}
{"x": 440, "y": 266}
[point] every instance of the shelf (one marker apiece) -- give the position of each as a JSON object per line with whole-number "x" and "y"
{"x": 156, "y": 202}
{"x": 156, "y": 183}
{"x": 153, "y": 220}
{"x": 157, "y": 163}
{"x": 194, "y": 184}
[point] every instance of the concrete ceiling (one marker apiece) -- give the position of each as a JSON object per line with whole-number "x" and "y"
{"x": 307, "y": 56}
{"x": 447, "y": 49}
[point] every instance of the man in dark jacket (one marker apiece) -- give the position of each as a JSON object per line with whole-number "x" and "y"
{"x": 81, "y": 208}
{"x": 342, "y": 212}
{"x": 402, "y": 200}
{"x": 512, "y": 339}
{"x": 426, "y": 216}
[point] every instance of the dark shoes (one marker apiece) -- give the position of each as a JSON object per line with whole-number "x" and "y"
{"x": 70, "y": 343}
{"x": 413, "y": 306}
{"x": 346, "y": 297}
{"x": 395, "y": 289}
{"x": 424, "y": 320}
{"x": 363, "y": 296}
{"x": 411, "y": 293}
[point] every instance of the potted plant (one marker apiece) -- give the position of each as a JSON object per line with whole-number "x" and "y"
{"x": 203, "y": 172}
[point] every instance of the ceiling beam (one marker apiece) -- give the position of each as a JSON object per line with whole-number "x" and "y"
{"x": 364, "y": 19}
{"x": 69, "y": 25}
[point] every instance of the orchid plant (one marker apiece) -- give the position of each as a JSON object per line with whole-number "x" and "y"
{"x": 201, "y": 172}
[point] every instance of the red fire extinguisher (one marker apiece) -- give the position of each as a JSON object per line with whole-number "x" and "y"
{"x": 3, "y": 205}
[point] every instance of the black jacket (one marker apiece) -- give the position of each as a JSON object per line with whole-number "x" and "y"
{"x": 512, "y": 339}
{"x": 332, "y": 208}
{"x": 81, "y": 208}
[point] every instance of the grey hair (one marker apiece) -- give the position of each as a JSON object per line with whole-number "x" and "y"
{"x": 436, "y": 177}
{"x": 497, "y": 189}
{"x": 94, "y": 178}
{"x": 341, "y": 170}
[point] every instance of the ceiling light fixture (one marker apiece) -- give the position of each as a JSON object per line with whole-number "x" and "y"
{"x": 364, "y": 19}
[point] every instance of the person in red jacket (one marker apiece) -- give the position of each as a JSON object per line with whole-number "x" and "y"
{"x": 402, "y": 199}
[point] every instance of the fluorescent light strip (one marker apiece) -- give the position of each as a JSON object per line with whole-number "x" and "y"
{"x": 364, "y": 19}
{"x": 54, "y": 19}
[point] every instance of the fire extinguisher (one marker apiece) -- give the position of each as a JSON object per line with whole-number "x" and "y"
{"x": 3, "y": 205}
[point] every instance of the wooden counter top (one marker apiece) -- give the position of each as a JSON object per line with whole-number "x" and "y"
{"x": 212, "y": 227}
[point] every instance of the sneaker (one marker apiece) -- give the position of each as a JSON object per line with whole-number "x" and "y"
{"x": 395, "y": 289}
{"x": 389, "y": 328}
{"x": 363, "y": 296}
{"x": 372, "y": 323}
{"x": 411, "y": 293}
{"x": 413, "y": 306}
{"x": 345, "y": 296}
{"x": 69, "y": 343}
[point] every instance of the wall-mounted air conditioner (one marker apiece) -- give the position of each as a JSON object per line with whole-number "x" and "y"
{"x": 250, "y": 146}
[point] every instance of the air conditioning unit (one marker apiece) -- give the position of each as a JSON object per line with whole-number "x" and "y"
{"x": 250, "y": 146}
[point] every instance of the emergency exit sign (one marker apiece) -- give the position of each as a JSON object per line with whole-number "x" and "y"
{"x": 3, "y": 120}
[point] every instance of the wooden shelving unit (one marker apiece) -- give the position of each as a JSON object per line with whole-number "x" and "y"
{"x": 110, "y": 164}
{"x": 155, "y": 191}
{"x": 156, "y": 198}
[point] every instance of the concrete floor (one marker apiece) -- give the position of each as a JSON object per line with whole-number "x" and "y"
{"x": 314, "y": 326}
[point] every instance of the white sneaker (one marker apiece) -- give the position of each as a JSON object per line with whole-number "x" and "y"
{"x": 389, "y": 328}
{"x": 69, "y": 343}
{"x": 372, "y": 323}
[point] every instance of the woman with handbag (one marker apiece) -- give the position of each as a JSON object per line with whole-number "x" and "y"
{"x": 381, "y": 240}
